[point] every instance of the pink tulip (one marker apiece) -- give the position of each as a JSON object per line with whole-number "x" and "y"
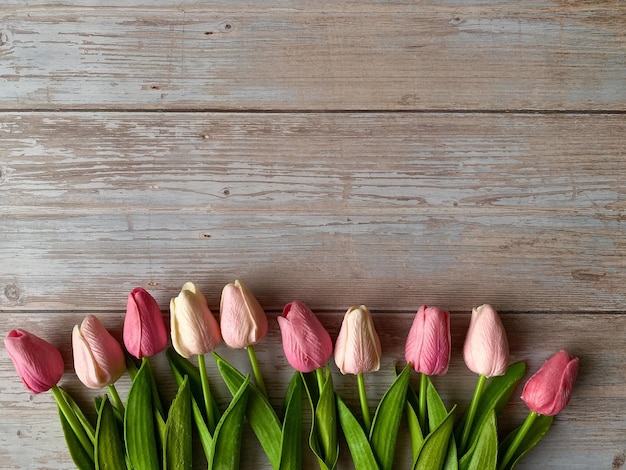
{"x": 98, "y": 357}
{"x": 357, "y": 349}
{"x": 195, "y": 330}
{"x": 428, "y": 343}
{"x": 39, "y": 364}
{"x": 486, "y": 349}
{"x": 144, "y": 329}
{"x": 242, "y": 319}
{"x": 549, "y": 390}
{"x": 306, "y": 342}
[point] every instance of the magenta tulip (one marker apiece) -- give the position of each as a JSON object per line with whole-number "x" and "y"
{"x": 428, "y": 343}
{"x": 39, "y": 364}
{"x": 144, "y": 330}
{"x": 98, "y": 357}
{"x": 486, "y": 348}
{"x": 306, "y": 342}
{"x": 242, "y": 319}
{"x": 549, "y": 390}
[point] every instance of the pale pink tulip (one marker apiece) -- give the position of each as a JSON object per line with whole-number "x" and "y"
{"x": 38, "y": 363}
{"x": 427, "y": 346}
{"x": 242, "y": 319}
{"x": 357, "y": 349}
{"x": 194, "y": 328}
{"x": 486, "y": 349}
{"x": 306, "y": 342}
{"x": 549, "y": 390}
{"x": 98, "y": 357}
{"x": 144, "y": 330}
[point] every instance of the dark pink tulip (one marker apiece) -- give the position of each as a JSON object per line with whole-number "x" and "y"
{"x": 306, "y": 342}
{"x": 428, "y": 344}
{"x": 144, "y": 330}
{"x": 548, "y": 391}
{"x": 39, "y": 364}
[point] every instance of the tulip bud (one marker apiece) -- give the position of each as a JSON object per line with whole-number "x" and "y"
{"x": 242, "y": 318}
{"x": 428, "y": 343}
{"x": 357, "y": 349}
{"x": 549, "y": 390}
{"x": 194, "y": 328}
{"x": 39, "y": 364}
{"x": 306, "y": 342}
{"x": 98, "y": 357}
{"x": 486, "y": 349}
{"x": 144, "y": 329}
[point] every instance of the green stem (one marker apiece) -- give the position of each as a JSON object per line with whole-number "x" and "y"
{"x": 319, "y": 373}
{"x": 258, "y": 378}
{"x": 117, "y": 401}
{"x": 478, "y": 391}
{"x": 519, "y": 437}
{"x": 422, "y": 418}
{"x": 364, "y": 408}
{"x": 206, "y": 393}
{"x": 156, "y": 397}
{"x": 71, "y": 418}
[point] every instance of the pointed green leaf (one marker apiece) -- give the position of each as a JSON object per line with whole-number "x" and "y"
{"x": 435, "y": 407}
{"x": 452, "y": 459}
{"x": 177, "y": 450}
{"x": 359, "y": 446}
{"x": 415, "y": 430}
{"x": 433, "y": 453}
{"x": 538, "y": 430}
{"x": 485, "y": 454}
{"x": 226, "y": 447}
{"x": 109, "y": 448}
{"x": 386, "y": 421}
{"x": 89, "y": 429}
{"x": 291, "y": 446}
{"x": 139, "y": 422}
{"x": 81, "y": 458}
{"x": 260, "y": 414}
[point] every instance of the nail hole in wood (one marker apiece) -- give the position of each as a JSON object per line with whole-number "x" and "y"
{"x": 11, "y": 292}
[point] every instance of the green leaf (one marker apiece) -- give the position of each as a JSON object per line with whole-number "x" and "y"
{"x": 433, "y": 453}
{"x": 415, "y": 430}
{"x": 452, "y": 459}
{"x": 291, "y": 445}
{"x": 435, "y": 407}
{"x": 109, "y": 448}
{"x": 384, "y": 432}
{"x": 260, "y": 414}
{"x": 359, "y": 446}
{"x": 485, "y": 454}
{"x": 538, "y": 430}
{"x": 177, "y": 450}
{"x": 81, "y": 458}
{"x": 139, "y": 422}
{"x": 89, "y": 429}
{"x": 226, "y": 447}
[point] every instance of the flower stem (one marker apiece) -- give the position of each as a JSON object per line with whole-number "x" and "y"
{"x": 258, "y": 378}
{"x": 478, "y": 391}
{"x": 363, "y": 399}
{"x": 422, "y": 418}
{"x": 319, "y": 374}
{"x": 71, "y": 418}
{"x": 116, "y": 398}
{"x": 519, "y": 437}
{"x": 156, "y": 397}
{"x": 206, "y": 393}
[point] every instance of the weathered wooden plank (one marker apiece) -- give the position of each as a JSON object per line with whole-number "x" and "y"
{"x": 298, "y": 55}
{"x": 593, "y": 423}
{"x": 393, "y": 209}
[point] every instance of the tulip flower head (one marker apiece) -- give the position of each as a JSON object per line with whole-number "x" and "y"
{"x": 195, "y": 330}
{"x": 550, "y": 388}
{"x": 39, "y": 364}
{"x": 357, "y": 349}
{"x": 306, "y": 342}
{"x": 144, "y": 330}
{"x": 98, "y": 357}
{"x": 428, "y": 343}
{"x": 486, "y": 348}
{"x": 242, "y": 319}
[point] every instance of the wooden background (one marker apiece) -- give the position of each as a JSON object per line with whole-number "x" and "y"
{"x": 392, "y": 154}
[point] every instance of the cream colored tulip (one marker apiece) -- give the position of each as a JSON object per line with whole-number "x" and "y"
{"x": 357, "y": 349}
{"x": 242, "y": 319}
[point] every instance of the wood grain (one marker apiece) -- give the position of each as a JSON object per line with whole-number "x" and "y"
{"x": 315, "y": 56}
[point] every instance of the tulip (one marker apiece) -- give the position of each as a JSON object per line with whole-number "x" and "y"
{"x": 545, "y": 393}
{"x": 357, "y": 350}
{"x": 144, "y": 330}
{"x": 486, "y": 353}
{"x": 244, "y": 323}
{"x": 38, "y": 363}
{"x": 306, "y": 342}
{"x": 98, "y": 357}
